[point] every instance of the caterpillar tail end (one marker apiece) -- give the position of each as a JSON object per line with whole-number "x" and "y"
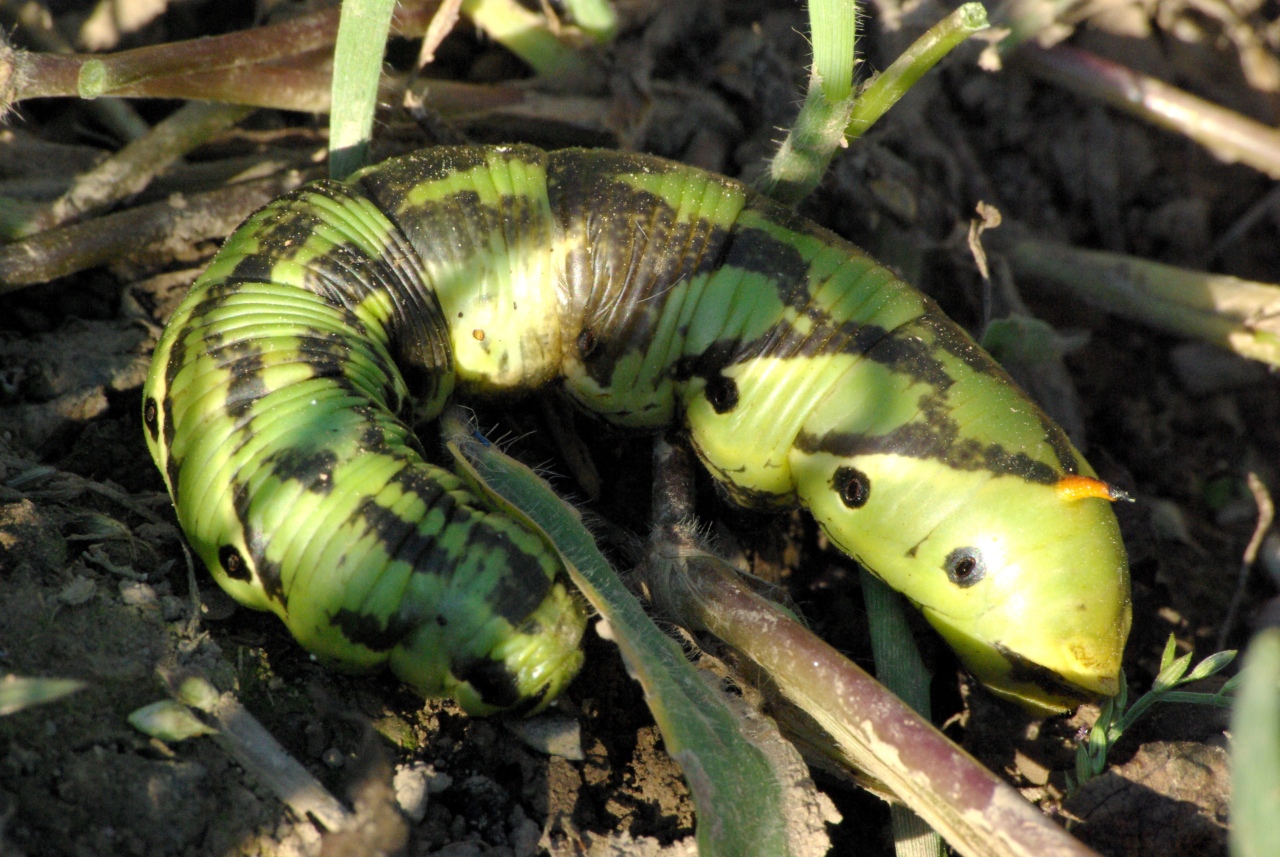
{"x": 532, "y": 667}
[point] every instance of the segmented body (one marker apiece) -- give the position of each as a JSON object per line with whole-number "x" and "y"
{"x": 281, "y": 394}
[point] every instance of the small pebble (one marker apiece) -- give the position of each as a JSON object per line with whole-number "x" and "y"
{"x": 525, "y": 834}
{"x": 333, "y": 757}
{"x": 552, "y": 734}
{"x": 78, "y": 591}
{"x": 412, "y": 785}
{"x": 172, "y": 608}
{"x": 137, "y": 594}
{"x": 439, "y": 783}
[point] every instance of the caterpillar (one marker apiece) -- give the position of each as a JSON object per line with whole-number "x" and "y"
{"x": 281, "y": 396}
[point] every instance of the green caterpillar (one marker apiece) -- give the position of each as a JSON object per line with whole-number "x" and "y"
{"x": 280, "y": 397}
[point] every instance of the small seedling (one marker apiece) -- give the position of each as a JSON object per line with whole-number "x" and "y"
{"x": 1117, "y": 717}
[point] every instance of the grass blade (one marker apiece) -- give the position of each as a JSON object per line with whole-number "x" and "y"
{"x": 740, "y": 806}
{"x": 357, "y": 68}
{"x": 1255, "y": 755}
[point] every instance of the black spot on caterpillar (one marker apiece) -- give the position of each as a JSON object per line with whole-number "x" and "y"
{"x": 279, "y": 403}
{"x": 852, "y": 485}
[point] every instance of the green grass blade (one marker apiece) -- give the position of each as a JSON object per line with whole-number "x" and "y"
{"x": 1255, "y": 729}
{"x": 926, "y": 52}
{"x": 19, "y": 692}
{"x": 739, "y": 802}
{"x": 596, "y": 18}
{"x": 833, "y": 25}
{"x": 527, "y": 35}
{"x": 357, "y": 68}
{"x": 900, "y": 668}
{"x": 898, "y": 663}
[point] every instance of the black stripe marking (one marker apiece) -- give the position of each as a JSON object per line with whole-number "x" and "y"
{"x": 938, "y": 438}
{"x": 490, "y": 679}
{"x": 370, "y": 632}
{"x": 1026, "y": 671}
{"x": 172, "y": 465}
{"x": 312, "y": 468}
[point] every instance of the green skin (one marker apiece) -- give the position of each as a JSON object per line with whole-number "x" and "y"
{"x": 280, "y": 396}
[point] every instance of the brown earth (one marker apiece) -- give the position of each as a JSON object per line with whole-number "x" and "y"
{"x": 94, "y": 583}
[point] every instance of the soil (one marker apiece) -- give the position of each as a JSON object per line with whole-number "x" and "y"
{"x": 95, "y": 584}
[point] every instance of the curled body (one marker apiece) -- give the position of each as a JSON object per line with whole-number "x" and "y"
{"x": 281, "y": 398}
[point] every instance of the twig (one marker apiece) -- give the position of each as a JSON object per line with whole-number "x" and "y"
{"x": 176, "y": 222}
{"x": 1266, "y": 514}
{"x": 442, "y": 24}
{"x": 1228, "y": 135}
{"x": 35, "y": 22}
{"x": 132, "y": 168}
{"x": 248, "y": 742}
{"x": 185, "y": 69}
{"x": 193, "y": 591}
{"x": 1239, "y": 315}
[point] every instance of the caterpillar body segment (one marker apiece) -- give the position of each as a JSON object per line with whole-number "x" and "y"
{"x": 274, "y": 410}
{"x": 280, "y": 399}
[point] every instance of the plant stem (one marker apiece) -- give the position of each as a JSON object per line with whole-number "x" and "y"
{"x": 167, "y": 227}
{"x": 219, "y": 68}
{"x": 1228, "y": 135}
{"x": 818, "y": 130}
{"x": 1235, "y": 314}
{"x": 926, "y": 52}
{"x": 133, "y": 167}
{"x": 831, "y": 116}
{"x": 527, "y": 35}
{"x": 35, "y": 24}
{"x": 99, "y": 75}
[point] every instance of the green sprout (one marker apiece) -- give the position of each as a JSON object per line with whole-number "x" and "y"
{"x": 1117, "y": 716}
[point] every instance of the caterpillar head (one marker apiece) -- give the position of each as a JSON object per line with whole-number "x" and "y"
{"x": 1027, "y": 581}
